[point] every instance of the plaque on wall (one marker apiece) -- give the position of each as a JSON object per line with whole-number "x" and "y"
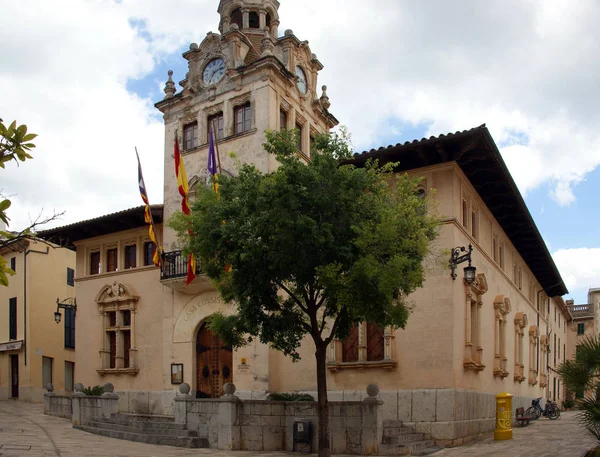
{"x": 177, "y": 373}
{"x": 243, "y": 367}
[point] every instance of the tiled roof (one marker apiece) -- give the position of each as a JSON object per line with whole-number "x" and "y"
{"x": 477, "y": 155}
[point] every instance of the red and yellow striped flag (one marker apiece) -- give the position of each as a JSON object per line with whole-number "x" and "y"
{"x": 147, "y": 213}
{"x": 183, "y": 187}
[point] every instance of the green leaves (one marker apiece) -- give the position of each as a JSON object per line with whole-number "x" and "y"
{"x": 15, "y": 143}
{"x": 5, "y": 271}
{"x": 315, "y": 247}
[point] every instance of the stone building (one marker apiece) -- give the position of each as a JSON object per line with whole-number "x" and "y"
{"x": 465, "y": 341}
{"x": 34, "y": 350}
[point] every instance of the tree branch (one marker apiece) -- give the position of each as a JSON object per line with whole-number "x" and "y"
{"x": 26, "y": 232}
{"x": 334, "y": 329}
{"x": 293, "y": 297}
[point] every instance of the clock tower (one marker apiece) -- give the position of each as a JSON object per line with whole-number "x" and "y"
{"x": 244, "y": 80}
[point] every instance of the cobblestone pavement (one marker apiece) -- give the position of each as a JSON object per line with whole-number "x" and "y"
{"x": 26, "y": 432}
{"x": 541, "y": 438}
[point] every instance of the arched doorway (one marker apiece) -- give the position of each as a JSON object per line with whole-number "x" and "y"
{"x": 214, "y": 364}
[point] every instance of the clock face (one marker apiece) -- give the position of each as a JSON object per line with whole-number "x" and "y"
{"x": 214, "y": 71}
{"x": 302, "y": 84}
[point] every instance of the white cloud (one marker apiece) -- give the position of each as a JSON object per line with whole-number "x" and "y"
{"x": 527, "y": 69}
{"x": 580, "y": 269}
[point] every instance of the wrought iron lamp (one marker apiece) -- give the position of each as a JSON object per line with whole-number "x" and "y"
{"x": 457, "y": 257}
{"x": 67, "y": 303}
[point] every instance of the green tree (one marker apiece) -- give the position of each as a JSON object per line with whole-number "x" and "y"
{"x": 15, "y": 145}
{"x": 582, "y": 375}
{"x": 314, "y": 248}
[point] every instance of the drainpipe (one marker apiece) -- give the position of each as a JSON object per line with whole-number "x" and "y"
{"x": 27, "y": 252}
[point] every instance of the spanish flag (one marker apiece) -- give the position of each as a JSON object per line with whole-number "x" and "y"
{"x": 183, "y": 187}
{"x": 147, "y": 214}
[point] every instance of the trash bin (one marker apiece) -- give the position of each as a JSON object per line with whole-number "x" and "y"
{"x": 302, "y": 436}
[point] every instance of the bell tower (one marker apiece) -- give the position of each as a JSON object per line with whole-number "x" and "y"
{"x": 250, "y": 16}
{"x": 241, "y": 82}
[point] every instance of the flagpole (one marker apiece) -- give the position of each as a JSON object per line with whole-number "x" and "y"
{"x": 216, "y": 148}
{"x": 149, "y": 206}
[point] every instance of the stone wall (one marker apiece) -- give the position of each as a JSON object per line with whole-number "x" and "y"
{"x": 58, "y": 405}
{"x": 88, "y": 409}
{"x": 146, "y": 402}
{"x": 255, "y": 425}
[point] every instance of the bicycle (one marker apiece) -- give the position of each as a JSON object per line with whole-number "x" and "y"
{"x": 551, "y": 411}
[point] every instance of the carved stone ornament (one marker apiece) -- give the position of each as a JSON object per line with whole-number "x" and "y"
{"x": 115, "y": 293}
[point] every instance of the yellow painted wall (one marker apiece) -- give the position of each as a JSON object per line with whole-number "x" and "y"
{"x": 46, "y": 281}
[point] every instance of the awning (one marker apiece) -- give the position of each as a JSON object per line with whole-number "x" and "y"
{"x": 11, "y": 346}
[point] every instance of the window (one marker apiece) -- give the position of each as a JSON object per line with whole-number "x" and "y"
{"x": 95, "y": 263}
{"x": 312, "y": 143}
{"x": 544, "y": 358}
{"x": 283, "y": 120}
{"x": 520, "y": 324}
{"x": 242, "y": 118}
{"x": 69, "y": 328}
{"x": 12, "y": 318}
{"x": 13, "y": 264}
{"x": 501, "y": 255}
{"x": 190, "y": 136}
{"x": 254, "y": 22}
{"x": 534, "y": 335}
{"x": 69, "y": 376}
{"x": 148, "y": 253}
{"x": 216, "y": 122}
{"x": 70, "y": 277}
{"x": 515, "y": 274}
{"x": 118, "y": 306}
{"x": 300, "y": 133}
{"x": 353, "y": 344}
{"x": 130, "y": 256}
{"x": 581, "y": 328}
{"x": 465, "y": 213}
{"x": 520, "y": 278}
{"x": 111, "y": 259}
{"x": 46, "y": 371}
{"x": 236, "y": 17}
{"x": 495, "y": 248}
{"x": 475, "y": 222}
{"x": 559, "y": 349}
{"x": 502, "y": 307}
{"x": 555, "y": 349}
{"x": 473, "y": 359}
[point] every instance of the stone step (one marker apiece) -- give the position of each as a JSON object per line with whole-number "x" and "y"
{"x": 392, "y": 424}
{"x": 144, "y": 417}
{"x": 405, "y": 449}
{"x": 428, "y": 451}
{"x": 146, "y": 425}
{"x": 144, "y": 428}
{"x": 398, "y": 431}
{"x": 177, "y": 441}
{"x": 403, "y": 439}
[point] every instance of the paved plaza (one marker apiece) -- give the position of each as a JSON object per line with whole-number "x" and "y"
{"x": 26, "y": 432}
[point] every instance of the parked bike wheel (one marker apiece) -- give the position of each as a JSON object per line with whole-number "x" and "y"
{"x": 533, "y": 411}
{"x": 554, "y": 413}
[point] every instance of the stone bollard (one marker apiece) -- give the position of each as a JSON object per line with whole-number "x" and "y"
{"x": 230, "y": 433}
{"x": 503, "y": 417}
{"x": 76, "y": 403}
{"x": 372, "y": 421}
{"x": 180, "y": 403}
{"x": 109, "y": 401}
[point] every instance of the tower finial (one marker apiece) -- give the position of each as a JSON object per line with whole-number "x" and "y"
{"x": 170, "y": 86}
{"x": 325, "y": 98}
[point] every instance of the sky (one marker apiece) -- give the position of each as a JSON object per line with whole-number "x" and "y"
{"x": 85, "y": 74}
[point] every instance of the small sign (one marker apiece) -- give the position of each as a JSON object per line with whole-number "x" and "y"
{"x": 300, "y": 427}
{"x": 12, "y": 346}
{"x": 244, "y": 369}
{"x": 177, "y": 373}
{"x": 38, "y": 352}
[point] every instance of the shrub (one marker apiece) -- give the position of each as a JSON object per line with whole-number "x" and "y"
{"x": 289, "y": 397}
{"x": 95, "y": 391}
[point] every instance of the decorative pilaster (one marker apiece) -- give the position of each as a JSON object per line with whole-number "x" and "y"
{"x": 362, "y": 342}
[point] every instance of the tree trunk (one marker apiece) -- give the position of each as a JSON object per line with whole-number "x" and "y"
{"x": 324, "y": 448}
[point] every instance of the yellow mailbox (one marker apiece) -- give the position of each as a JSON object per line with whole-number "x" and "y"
{"x": 503, "y": 417}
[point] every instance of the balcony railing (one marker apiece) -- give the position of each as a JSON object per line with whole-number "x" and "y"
{"x": 175, "y": 265}
{"x": 579, "y": 311}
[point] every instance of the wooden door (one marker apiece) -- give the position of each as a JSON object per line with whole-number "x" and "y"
{"x": 14, "y": 375}
{"x": 214, "y": 364}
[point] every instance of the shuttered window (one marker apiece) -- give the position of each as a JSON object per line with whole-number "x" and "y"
{"x": 111, "y": 260}
{"x": 130, "y": 256}
{"x": 69, "y": 328}
{"x": 12, "y": 318}
{"x": 70, "y": 277}
{"x": 46, "y": 371}
{"x": 95, "y": 263}
{"x": 13, "y": 264}
{"x": 242, "y": 118}
{"x": 148, "y": 253}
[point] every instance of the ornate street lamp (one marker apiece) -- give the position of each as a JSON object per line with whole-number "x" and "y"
{"x": 456, "y": 259}
{"x": 67, "y": 303}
